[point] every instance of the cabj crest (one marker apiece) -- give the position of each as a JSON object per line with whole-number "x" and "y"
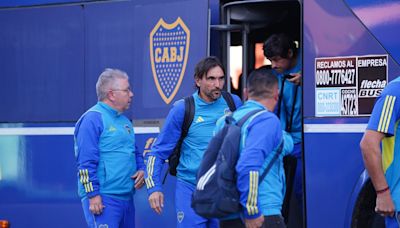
{"x": 169, "y": 51}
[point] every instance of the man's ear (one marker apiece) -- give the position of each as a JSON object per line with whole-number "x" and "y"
{"x": 110, "y": 96}
{"x": 197, "y": 81}
{"x": 276, "y": 95}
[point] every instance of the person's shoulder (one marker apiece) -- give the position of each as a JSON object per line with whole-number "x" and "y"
{"x": 177, "y": 110}
{"x": 264, "y": 124}
{"x": 393, "y": 88}
{"x": 236, "y": 99}
{"x": 265, "y": 117}
{"x": 91, "y": 115}
{"x": 180, "y": 102}
{"x": 88, "y": 120}
{"x": 179, "y": 105}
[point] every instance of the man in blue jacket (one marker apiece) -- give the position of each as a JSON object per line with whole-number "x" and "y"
{"x": 261, "y": 136}
{"x": 108, "y": 162}
{"x": 209, "y": 106}
{"x": 286, "y": 63}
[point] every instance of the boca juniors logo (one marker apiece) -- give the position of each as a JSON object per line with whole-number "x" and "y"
{"x": 169, "y": 50}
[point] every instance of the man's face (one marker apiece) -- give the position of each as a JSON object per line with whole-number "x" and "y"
{"x": 211, "y": 84}
{"x": 121, "y": 96}
{"x": 280, "y": 64}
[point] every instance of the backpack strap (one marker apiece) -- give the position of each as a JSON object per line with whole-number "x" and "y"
{"x": 187, "y": 121}
{"x": 280, "y": 97}
{"x": 188, "y": 118}
{"x": 247, "y": 116}
{"x": 289, "y": 125}
{"x": 278, "y": 152}
{"x": 229, "y": 100}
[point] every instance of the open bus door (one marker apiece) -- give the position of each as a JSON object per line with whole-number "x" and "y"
{"x": 244, "y": 28}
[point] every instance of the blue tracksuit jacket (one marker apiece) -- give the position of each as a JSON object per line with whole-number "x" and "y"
{"x": 288, "y": 99}
{"x": 260, "y": 138}
{"x": 193, "y": 146}
{"x": 105, "y": 153}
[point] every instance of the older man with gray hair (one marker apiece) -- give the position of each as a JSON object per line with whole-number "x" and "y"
{"x": 109, "y": 165}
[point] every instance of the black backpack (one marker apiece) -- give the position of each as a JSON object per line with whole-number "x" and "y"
{"x": 216, "y": 194}
{"x": 173, "y": 159}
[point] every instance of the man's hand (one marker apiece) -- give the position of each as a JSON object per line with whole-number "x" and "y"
{"x": 96, "y": 205}
{"x": 156, "y": 201}
{"x": 296, "y": 78}
{"x": 139, "y": 179}
{"x": 254, "y": 223}
{"x": 384, "y": 204}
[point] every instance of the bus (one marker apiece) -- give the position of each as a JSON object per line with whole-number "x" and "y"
{"x": 52, "y": 51}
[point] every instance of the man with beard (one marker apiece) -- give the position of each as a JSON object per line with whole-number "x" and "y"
{"x": 209, "y": 107}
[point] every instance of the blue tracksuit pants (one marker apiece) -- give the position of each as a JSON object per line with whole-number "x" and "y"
{"x": 116, "y": 214}
{"x": 185, "y": 215}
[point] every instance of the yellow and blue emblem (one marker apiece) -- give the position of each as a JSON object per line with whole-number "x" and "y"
{"x": 169, "y": 51}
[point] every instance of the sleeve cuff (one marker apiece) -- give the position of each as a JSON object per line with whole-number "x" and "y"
{"x": 154, "y": 189}
{"x": 92, "y": 194}
{"x": 253, "y": 216}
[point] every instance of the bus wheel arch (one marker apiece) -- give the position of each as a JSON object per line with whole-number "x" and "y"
{"x": 363, "y": 214}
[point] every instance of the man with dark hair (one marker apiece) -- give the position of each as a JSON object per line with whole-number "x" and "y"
{"x": 109, "y": 165}
{"x": 286, "y": 62}
{"x": 209, "y": 105}
{"x": 261, "y": 137}
{"x": 383, "y": 165}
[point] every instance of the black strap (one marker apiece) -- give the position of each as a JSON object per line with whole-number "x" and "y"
{"x": 229, "y": 100}
{"x": 189, "y": 115}
{"x": 271, "y": 163}
{"x": 280, "y": 97}
{"x": 289, "y": 125}
{"x": 187, "y": 121}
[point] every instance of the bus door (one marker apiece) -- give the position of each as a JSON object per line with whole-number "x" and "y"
{"x": 244, "y": 27}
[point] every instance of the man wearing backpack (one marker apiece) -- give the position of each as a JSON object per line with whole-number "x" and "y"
{"x": 209, "y": 106}
{"x": 261, "y": 137}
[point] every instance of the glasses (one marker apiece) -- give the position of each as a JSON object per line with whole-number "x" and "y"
{"x": 123, "y": 90}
